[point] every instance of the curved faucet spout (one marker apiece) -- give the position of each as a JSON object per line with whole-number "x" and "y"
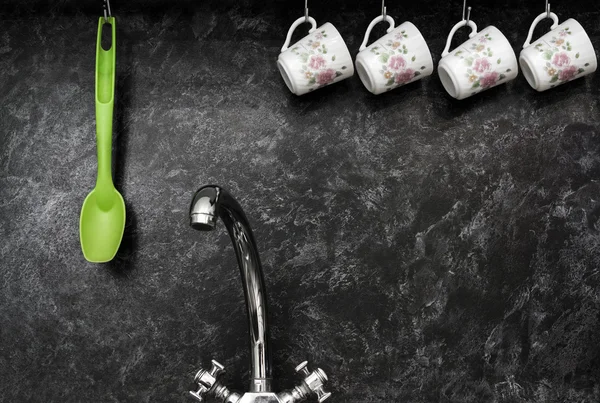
{"x": 210, "y": 202}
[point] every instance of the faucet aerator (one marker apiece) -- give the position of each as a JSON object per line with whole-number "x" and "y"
{"x": 203, "y": 222}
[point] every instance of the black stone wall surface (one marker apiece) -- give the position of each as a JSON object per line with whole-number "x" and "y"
{"x": 417, "y": 248}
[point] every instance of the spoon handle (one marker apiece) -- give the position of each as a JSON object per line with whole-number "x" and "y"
{"x": 105, "y": 99}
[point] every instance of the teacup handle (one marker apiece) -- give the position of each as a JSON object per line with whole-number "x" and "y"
{"x": 539, "y": 18}
{"x": 455, "y": 28}
{"x": 295, "y": 25}
{"x": 376, "y": 21}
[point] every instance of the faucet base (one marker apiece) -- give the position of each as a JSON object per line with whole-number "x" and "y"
{"x": 210, "y": 385}
{"x": 259, "y": 397}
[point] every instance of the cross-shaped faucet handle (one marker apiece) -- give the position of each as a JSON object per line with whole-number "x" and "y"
{"x": 206, "y": 380}
{"x": 314, "y": 381}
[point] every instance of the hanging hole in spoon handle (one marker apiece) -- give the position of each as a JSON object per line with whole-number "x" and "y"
{"x": 539, "y": 18}
{"x": 295, "y": 25}
{"x": 376, "y": 21}
{"x": 455, "y": 28}
{"x": 106, "y": 36}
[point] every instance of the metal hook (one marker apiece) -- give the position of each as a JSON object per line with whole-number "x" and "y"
{"x": 547, "y": 9}
{"x": 468, "y": 12}
{"x": 383, "y": 9}
{"x": 305, "y": 10}
{"x": 106, "y": 7}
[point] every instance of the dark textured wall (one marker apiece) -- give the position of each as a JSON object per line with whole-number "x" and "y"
{"x": 417, "y": 248}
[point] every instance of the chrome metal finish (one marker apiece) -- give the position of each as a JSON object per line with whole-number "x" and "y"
{"x": 305, "y": 10}
{"x": 106, "y": 8}
{"x": 222, "y": 393}
{"x": 468, "y": 12}
{"x": 209, "y": 384}
{"x": 314, "y": 380}
{"x": 312, "y": 383}
{"x": 210, "y": 202}
{"x": 206, "y": 380}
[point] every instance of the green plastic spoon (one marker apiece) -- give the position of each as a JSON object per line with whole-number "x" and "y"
{"x": 102, "y": 219}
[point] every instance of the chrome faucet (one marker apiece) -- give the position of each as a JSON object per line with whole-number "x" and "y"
{"x": 210, "y": 202}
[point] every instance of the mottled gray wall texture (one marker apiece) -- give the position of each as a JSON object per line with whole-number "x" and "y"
{"x": 417, "y": 248}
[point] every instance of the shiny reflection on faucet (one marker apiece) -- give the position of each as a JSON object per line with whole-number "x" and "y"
{"x": 211, "y": 202}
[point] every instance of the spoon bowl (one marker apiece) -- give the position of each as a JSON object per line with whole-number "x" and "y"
{"x": 101, "y": 225}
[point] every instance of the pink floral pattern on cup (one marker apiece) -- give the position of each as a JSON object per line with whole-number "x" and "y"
{"x": 568, "y": 73}
{"x": 480, "y": 64}
{"x": 489, "y": 79}
{"x": 324, "y": 77}
{"x": 396, "y": 63}
{"x": 560, "y": 65}
{"x": 316, "y": 61}
{"x": 397, "y": 67}
{"x": 400, "y": 35}
{"x": 405, "y": 76}
{"x": 561, "y": 59}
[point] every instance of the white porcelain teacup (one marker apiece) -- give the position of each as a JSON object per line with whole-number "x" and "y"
{"x": 319, "y": 59}
{"x": 397, "y": 58}
{"x": 484, "y": 61}
{"x": 561, "y": 55}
